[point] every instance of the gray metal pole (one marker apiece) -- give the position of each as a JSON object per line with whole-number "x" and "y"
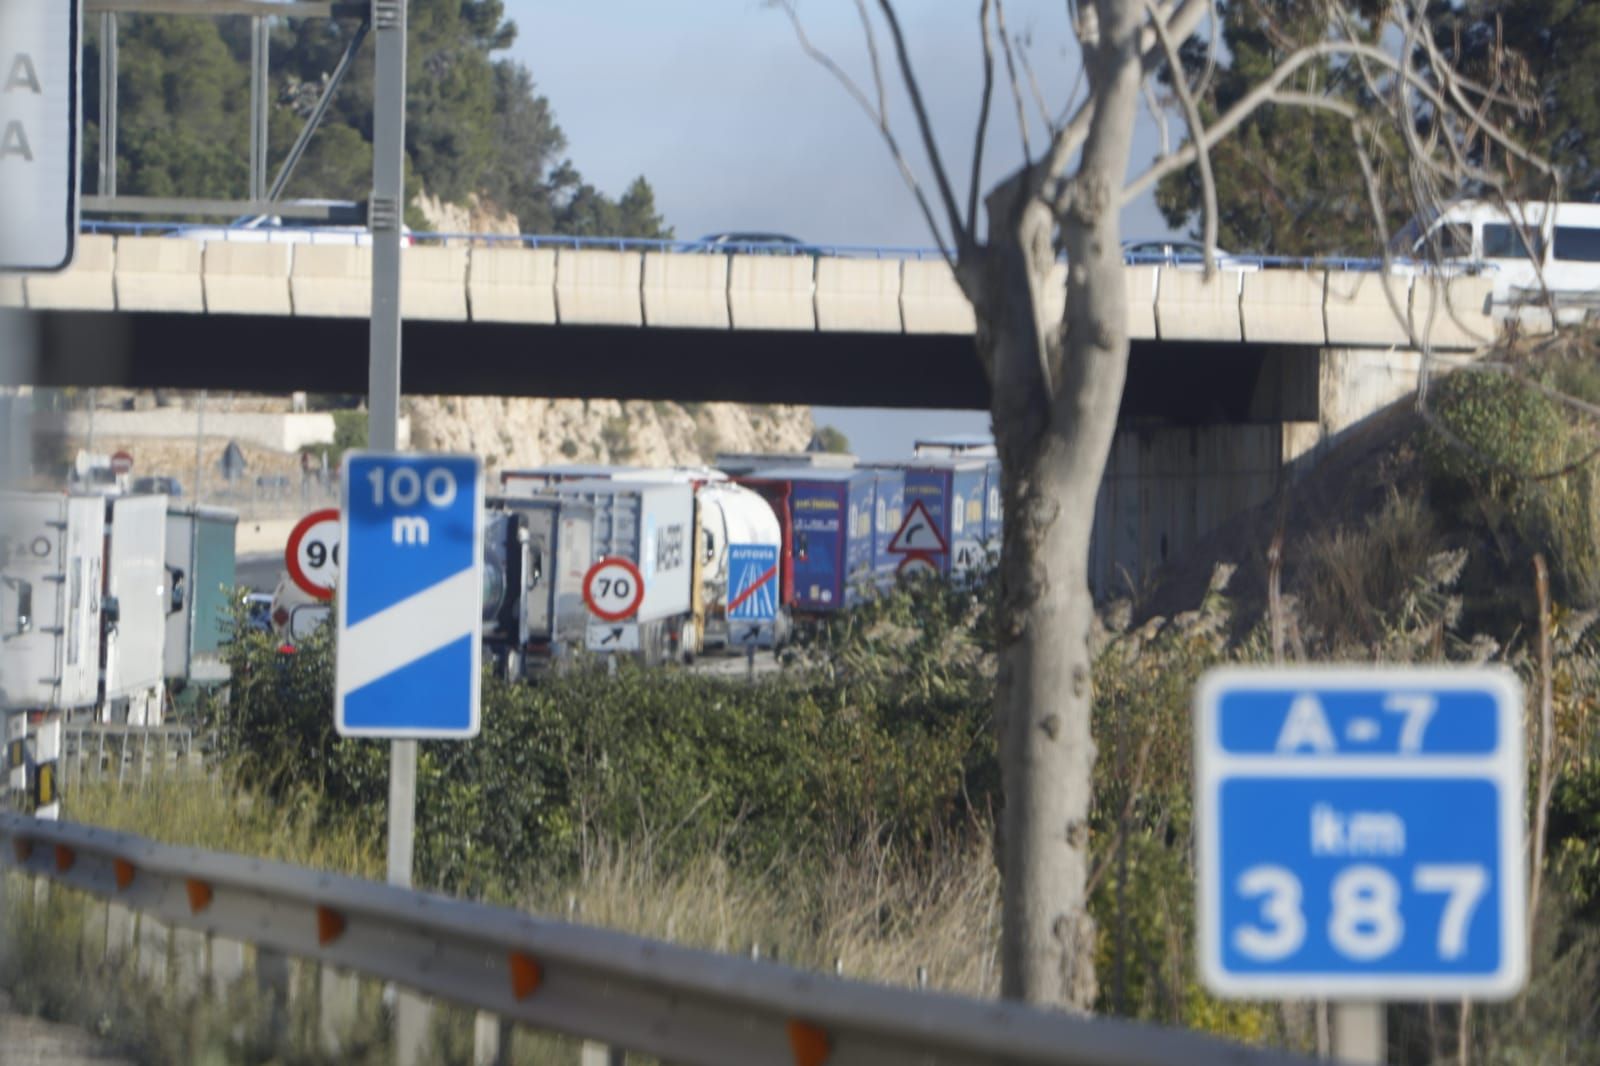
{"x": 108, "y": 104}
{"x": 1359, "y": 1034}
{"x": 259, "y": 61}
{"x": 383, "y": 412}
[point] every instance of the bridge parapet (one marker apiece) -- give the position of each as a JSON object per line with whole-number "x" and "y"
{"x": 660, "y": 284}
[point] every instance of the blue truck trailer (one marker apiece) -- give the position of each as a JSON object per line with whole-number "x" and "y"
{"x": 827, "y": 523}
{"x": 954, "y": 493}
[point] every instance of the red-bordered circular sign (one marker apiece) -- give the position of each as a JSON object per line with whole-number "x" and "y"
{"x": 918, "y": 564}
{"x": 613, "y": 588}
{"x": 312, "y": 554}
{"x": 121, "y": 462}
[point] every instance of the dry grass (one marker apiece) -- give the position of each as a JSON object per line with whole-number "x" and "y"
{"x": 874, "y": 916}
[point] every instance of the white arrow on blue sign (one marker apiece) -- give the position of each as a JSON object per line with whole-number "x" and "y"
{"x": 410, "y": 596}
{"x": 752, "y": 582}
{"x": 1361, "y": 833}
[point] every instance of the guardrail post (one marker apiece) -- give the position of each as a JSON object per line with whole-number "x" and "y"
{"x": 188, "y": 963}
{"x": 601, "y": 1055}
{"x": 154, "y": 941}
{"x": 337, "y": 995}
{"x": 413, "y": 1026}
{"x": 272, "y": 979}
{"x": 121, "y": 932}
{"x": 225, "y": 964}
{"x": 491, "y": 1040}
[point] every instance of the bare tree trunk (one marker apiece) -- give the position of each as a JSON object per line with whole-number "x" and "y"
{"x": 1056, "y": 395}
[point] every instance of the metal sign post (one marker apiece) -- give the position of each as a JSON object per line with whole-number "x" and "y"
{"x": 383, "y": 394}
{"x": 1360, "y": 839}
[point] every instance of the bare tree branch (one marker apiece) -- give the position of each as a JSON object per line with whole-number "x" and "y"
{"x": 871, "y": 38}
{"x": 983, "y": 118}
{"x": 880, "y": 119}
{"x": 1181, "y": 17}
{"x": 1016, "y": 86}
{"x": 1158, "y": 114}
{"x": 1197, "y": 134}
{"x": 930, "y": 145}
{"x": 1263, "y": 91}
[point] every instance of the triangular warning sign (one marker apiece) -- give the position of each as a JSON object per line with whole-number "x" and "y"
{"x": 918, "y": 533}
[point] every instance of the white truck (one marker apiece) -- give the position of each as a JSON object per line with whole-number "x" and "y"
{"x": 652, "y": 525}
{"x": 50, "y": 598}
{"x": 537, "y": 550}
{"x": 201, "y": 568}
{"x": 138, "y": 598}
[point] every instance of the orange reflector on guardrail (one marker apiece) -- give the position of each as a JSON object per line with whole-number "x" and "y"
{"x": 23, "y": 848}
{"x": 199, "y": 895}
{"x": 64, "y": 858}
{"x": 123, "y": 871}
{"x": 330, "y": 925}
{"x": 526, "y": 974}
{"x": 809, "y": 1043}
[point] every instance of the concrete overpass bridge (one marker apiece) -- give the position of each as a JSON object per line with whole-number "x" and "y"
{"x": 629, "y": 319}
{"x": 1234, "y": 384}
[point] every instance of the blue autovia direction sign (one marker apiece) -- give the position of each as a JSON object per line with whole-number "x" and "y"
{"x": 1360, "y": 833}
{"x": 410, "y": 596}
{"x": 752, "y": 582}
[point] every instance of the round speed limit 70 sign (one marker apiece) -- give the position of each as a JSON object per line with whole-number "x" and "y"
{"x": 613, "y": 588}
{"x": 312, "y": 554}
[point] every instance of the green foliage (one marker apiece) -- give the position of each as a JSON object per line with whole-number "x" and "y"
{"x": 832, "y": 439}
{"x": 1559, "y": 40}
{"x": 1289, "y": 179}
{"x": 1575, "y": 835}
{"x": 476, "y": 125}
{"x": 801, "y": 767}
{"x": 1505, "y": 456}
{"x": 349, "y": 431}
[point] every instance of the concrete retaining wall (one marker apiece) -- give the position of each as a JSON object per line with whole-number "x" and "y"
{"x": 1283, "y": 307}
{"x": 433, "y": 283}
{"x": 686, "y": 290}
{"x": 599, "y": 288}
{"x": 332, "y": 281}
{"x": 1142, "y": 283}
{"x": 771, "y": 292}
{"x": 265, "y": 537}
{"x": 931, "y": 300}
{"x": 1190, "y": 308}
{"x": 1453, "y": 313}
{"x": 279, "y": 432}
{"x": 87, "y": 285}
{"x": 1166, "y": 489}
{"x": 1358, "y": 313}
{"x": 247, "y": 279}
{"x": 511, "y": 284}
{"x": 858, "y": 295}
{"x": 159, "y": 274}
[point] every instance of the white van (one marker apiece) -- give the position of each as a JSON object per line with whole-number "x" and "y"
{"x": 1527, "y": 247}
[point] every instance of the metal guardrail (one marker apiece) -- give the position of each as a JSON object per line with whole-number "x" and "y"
{"x": 676, "y": 1003}
{"x": 780, "y": 248}
{"x": 102, "y": 750}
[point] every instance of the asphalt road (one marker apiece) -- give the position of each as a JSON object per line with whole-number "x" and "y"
{"x": 259, "y": 572}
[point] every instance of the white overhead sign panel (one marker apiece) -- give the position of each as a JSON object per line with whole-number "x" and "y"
{"x": 39, "y": 115}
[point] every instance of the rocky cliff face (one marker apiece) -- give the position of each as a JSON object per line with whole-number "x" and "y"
{"x": 512, "y": 433}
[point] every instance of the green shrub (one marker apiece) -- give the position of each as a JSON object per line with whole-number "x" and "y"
{"x": 1519, "y": 467}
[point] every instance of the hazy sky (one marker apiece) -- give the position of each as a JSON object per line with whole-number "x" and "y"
{"x": 737, "y": 129}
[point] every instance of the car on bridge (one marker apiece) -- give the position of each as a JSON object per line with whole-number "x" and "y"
{"x": 1185, "y": 255}
{"x": 752, "y": 243}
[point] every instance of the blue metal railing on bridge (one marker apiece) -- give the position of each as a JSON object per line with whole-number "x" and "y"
{"x": 1229, "y": 261}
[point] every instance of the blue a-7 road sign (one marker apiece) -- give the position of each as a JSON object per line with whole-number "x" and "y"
{"x": 752, "y": 582}
{"x": 410, "y": 596}
{"x": 1360, "y": 833}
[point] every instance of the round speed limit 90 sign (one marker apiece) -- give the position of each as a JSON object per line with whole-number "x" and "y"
{"x": 613, "y": 589}
{"x": 312, "y": 554}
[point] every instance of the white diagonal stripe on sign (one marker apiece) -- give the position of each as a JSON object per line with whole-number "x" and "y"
{"x": 412, "y": 628}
